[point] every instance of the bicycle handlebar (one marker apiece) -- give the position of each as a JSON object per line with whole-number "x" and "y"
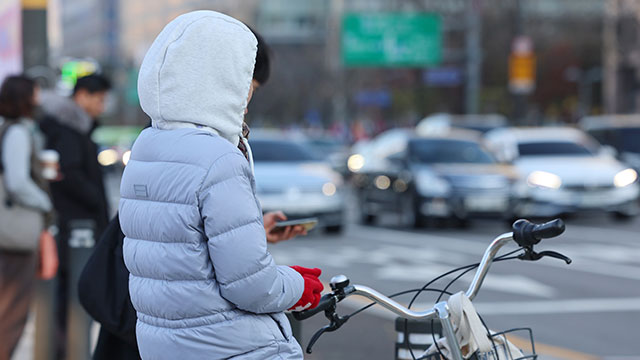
{"x": 326, "y": 302}
{"x": 525, "y": 233}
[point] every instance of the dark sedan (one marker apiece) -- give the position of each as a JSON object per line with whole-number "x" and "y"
{"x": 436, "y": 178}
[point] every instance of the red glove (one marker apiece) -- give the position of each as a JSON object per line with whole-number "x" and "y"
{"x": 312, "y": 288}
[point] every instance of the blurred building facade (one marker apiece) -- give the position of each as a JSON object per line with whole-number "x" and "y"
{"x": 141, "y": 21}
{"x": 621, "y": 56}
{"x": 310, "y": 86}
{"x": 90, "y": 28}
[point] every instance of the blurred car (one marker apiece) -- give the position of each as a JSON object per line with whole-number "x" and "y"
{"x": 438, "y": 123}
{"x": 566, "y": 172}
{"x": 114, "y": 144}
{"x": 331, "y": 149}
{"x": 370, "y": 155}
{"x": 289, "y": 177}
{"x": 621, "y": 132}
{"x": 432, "y": 177}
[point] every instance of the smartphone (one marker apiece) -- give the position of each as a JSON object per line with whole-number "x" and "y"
{"x": 306, "y": 223}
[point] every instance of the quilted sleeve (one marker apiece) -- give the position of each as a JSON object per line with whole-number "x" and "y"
{"x": 232, "y": 219}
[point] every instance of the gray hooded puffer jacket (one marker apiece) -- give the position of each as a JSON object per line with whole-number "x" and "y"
{"x": 202, "y": 281}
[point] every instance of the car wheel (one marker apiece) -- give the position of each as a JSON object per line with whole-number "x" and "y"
{"x": 367, "y": 219}
{"x": 334, "y": 229}
{"x": 420, "y": 221}
{"x": 623, "y": 216}
{"x": 461, "y": 223}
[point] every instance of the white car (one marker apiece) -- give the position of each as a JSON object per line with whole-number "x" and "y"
{"x": 289, "y": 177}
{"x": 565, "y": 171}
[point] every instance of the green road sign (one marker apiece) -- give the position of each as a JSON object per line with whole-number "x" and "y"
{"x": 391, "y": 39}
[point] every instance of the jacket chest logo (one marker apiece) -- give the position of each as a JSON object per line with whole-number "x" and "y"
{"x": 141, "y": 191}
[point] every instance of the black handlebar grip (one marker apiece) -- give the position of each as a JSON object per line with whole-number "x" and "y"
{"x": 548, "y": 230}
{"x": 326, "y": 301}
{"x": 526, "y": 233}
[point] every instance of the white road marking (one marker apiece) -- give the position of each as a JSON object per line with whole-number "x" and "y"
{"x": 570, "y": 306}
{"x": 601, "y": 305}
{"x": 514, "y": 284}
{"x": 592, "y": 265}
{"x": 597, "y": 234}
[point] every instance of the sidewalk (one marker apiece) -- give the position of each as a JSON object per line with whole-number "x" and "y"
{"x": 27, "y": 342}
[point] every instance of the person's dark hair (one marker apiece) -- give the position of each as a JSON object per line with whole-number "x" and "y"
{"x": 262, "y": 70}
{"x": 16, "y": 97}
{"x": 92, "y": 84}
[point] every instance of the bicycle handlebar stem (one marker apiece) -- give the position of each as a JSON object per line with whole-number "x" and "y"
{"x": 486, "y": 262}
{"x": 392, "y": 305}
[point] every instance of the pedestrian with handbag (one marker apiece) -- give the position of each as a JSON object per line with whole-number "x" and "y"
{"x": 27, "y": 248}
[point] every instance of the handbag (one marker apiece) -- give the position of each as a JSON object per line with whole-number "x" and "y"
{"x": 20, "y": 226}
{"x": 474, "y": 340}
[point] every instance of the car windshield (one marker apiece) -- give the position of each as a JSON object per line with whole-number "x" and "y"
{"x": 624, "y": 139}
{"x": 280, "y": 151}
{"x": 448, "y": 151}
{"x": 553, "y": 148}
{"x": 325, "y": 147}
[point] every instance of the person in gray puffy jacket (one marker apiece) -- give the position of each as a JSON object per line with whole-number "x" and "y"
{"x": 201, "y": 279}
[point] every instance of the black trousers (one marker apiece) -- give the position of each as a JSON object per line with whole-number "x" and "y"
{"x": 66, "y": 291}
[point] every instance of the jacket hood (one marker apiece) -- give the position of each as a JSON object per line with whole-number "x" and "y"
{"x": 66, "y": 112}
{"x": 198, "y": 71}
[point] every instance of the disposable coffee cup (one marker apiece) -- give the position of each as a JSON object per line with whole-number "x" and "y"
{"x": 50, "y": 160}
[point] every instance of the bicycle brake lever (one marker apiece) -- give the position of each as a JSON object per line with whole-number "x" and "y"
{"x": 336, "y": 322}
{"x": 316, "y": 336}
{"x": 530, "y": 254}
{"x": 556, "y": 255}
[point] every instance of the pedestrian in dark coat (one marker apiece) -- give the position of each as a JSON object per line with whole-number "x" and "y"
{"x": 79, "y": 194}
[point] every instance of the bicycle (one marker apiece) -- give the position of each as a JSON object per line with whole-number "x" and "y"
{"x": 525, "y": 234}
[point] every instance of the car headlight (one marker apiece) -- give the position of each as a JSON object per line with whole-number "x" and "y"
{"x": 431, "y": 185}
{"x": 329, "y": 189}
{"x": 544, "y": 179}
{"x": 625, "y": 178}
{"x": 126, "y": 157}
{"x": 355, "y": 162}
{"x": 382, "y": 182}
{"x": 108, "y": 157}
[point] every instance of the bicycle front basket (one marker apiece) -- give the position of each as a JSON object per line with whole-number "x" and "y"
{"x": 500, "y": 350}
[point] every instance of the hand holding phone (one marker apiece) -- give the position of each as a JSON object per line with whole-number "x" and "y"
{"x": 306, "y": 223}
{"x": 277, "y": 233}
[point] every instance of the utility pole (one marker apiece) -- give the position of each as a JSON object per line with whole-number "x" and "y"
{"x": 34, "y": 33}
{"x": 610, "y": 57}
{"x": 520, "y": 97}
{"x": 474, "y": 56}
{"x": 35, "y": 54}
{"x": 334, "y": 62}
